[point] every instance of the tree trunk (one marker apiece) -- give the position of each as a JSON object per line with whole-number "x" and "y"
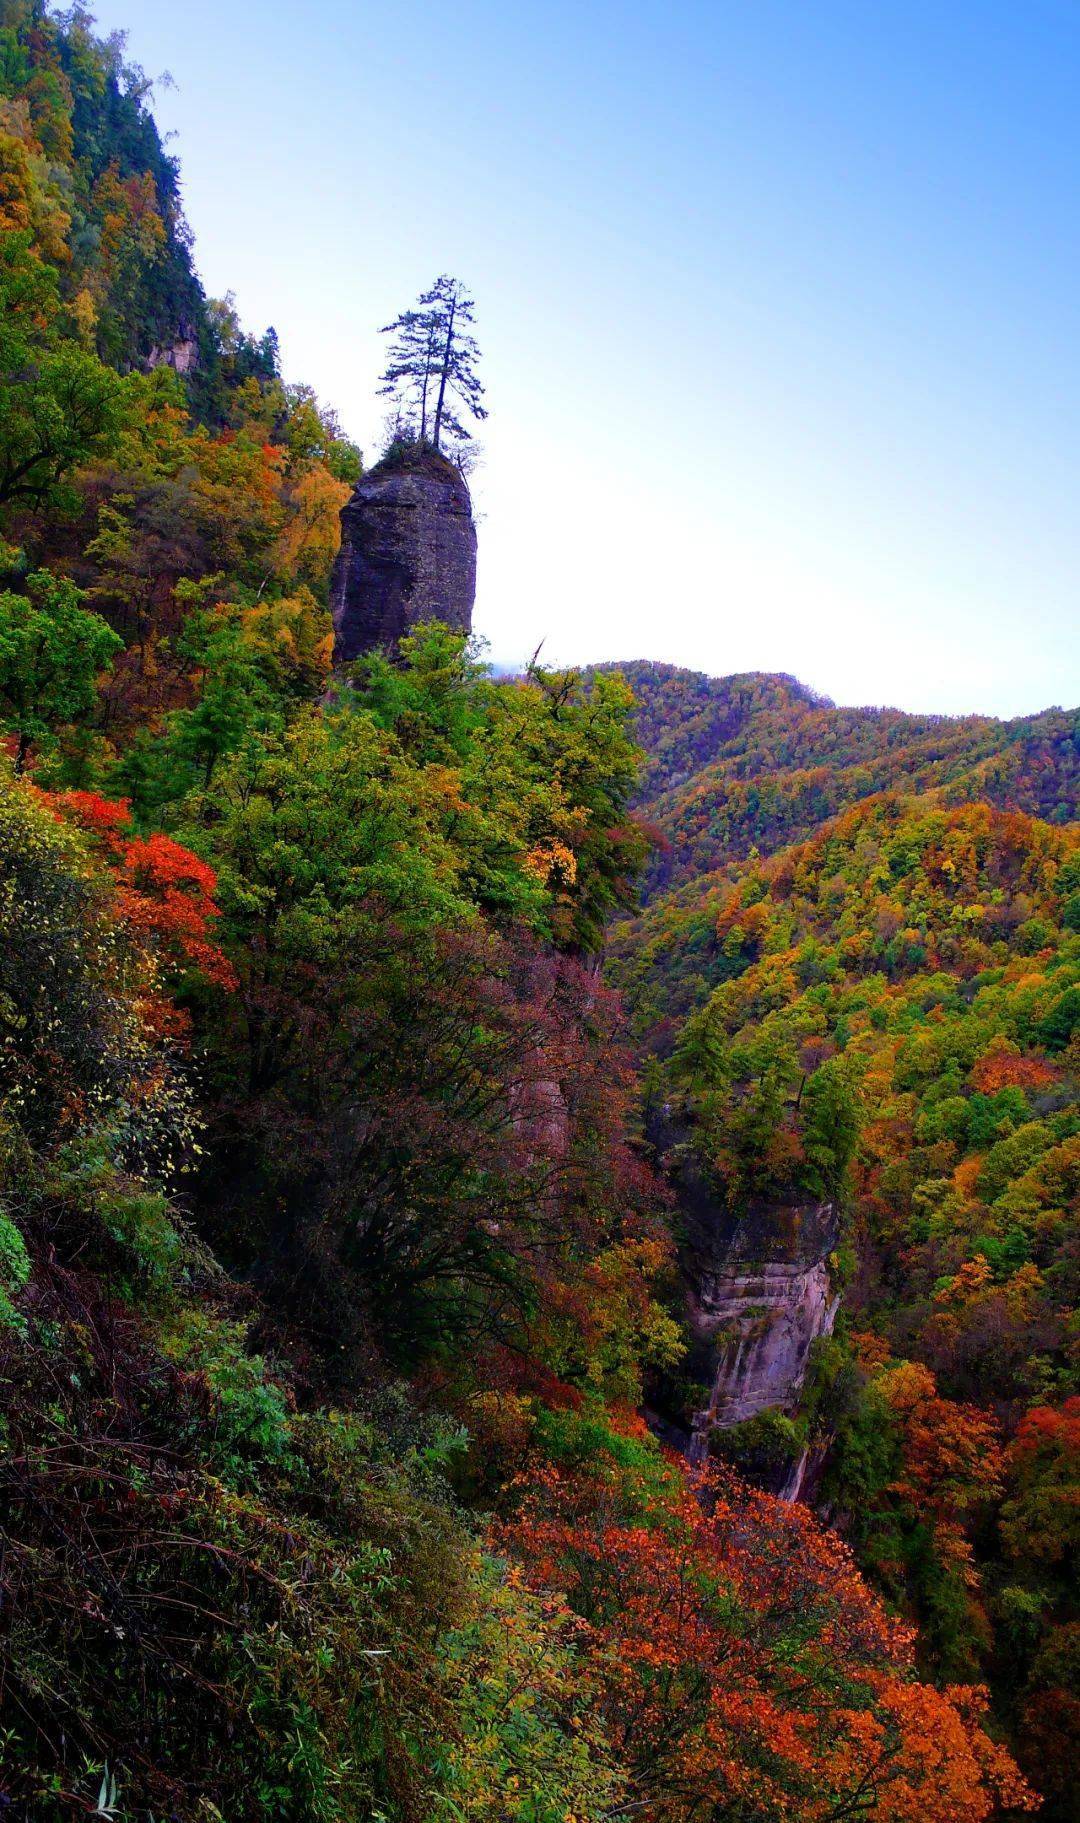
{"x": 445, "y": 374}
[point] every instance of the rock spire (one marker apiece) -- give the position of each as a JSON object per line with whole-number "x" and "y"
{"x": 408, "y": 554}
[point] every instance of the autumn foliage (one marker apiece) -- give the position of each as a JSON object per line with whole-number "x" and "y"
{"x": 346, "y": 1104}
{"x": 887, "y": 1012}
{"x": 165, "y": 894}
{"x": 742, "y": 1662}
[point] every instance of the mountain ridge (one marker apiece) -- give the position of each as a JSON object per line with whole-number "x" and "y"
{"x": 757, "y": 760}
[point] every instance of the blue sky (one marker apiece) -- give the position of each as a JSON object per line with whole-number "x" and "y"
{"x": 779, "y": 304}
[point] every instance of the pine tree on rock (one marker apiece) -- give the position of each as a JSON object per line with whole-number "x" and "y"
{"x": 409, "y": 372}
{"x": 431, "y": 371}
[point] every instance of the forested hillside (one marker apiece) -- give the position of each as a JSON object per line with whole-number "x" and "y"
{"x": 886, "y": 1013}
{"x": 335, "y": 1260}
{"x": 738, "y": 763}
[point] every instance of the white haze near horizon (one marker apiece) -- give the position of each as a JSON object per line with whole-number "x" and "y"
{"x": 778, "y": 307}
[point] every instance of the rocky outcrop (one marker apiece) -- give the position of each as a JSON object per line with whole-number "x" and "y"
{"x": 758, "y": 1294}
{"x": 757, "y": 1298}
{"x": 408, "y": 554}
{"x": 182, "y": 355}
{"x": 760, "y": 1324}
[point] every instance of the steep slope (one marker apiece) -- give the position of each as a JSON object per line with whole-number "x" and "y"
{"x": 881, "y": 1015}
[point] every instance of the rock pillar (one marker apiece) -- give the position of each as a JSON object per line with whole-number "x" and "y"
{"x": 408, "y": 554}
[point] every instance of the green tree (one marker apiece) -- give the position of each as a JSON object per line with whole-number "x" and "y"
{"x": 431, "y": 370}
{"x": 830, "y": 1131}
{"x": 545, "y": 767}
{"x": 58, "y": 405}
{"x": 51, "y": 653}
{"x": 234, "y": 695}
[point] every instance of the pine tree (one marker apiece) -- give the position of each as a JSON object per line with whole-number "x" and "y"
{"x": 409, "y": 372}
{"x": 431, "y": 373}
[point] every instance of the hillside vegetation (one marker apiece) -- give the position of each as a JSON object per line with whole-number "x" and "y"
{"x": 887, "y": 1013}
{"x": 333, "y": 1262}
{"x": 757, "y": 761}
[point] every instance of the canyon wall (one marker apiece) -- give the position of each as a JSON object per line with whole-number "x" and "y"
{"x": 755, "y": 1319}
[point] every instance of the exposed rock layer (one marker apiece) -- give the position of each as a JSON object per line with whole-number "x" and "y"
{"x": 758, "y": 1294}
{"x": 760, "y": 1323}
{"x": 408, "y": 554}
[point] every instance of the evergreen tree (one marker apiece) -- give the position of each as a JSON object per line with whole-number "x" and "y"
{"x": 431, "y": 371}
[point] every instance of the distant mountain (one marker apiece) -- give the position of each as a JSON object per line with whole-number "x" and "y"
{"x": 759, "y": 761}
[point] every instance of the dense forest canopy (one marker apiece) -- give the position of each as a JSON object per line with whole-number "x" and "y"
{"x": 886, "y": 1011}
{"x": 338, "y": 1260}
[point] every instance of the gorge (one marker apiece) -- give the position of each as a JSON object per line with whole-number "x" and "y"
{"x": 758, "y": 1291}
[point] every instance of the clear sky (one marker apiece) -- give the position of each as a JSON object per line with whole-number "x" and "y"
{"x": 779, "y": 303}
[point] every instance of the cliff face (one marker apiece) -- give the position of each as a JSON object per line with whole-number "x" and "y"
{"x": 757, "y": 1298}
{"x": 408, "y": 554}
{"x": 758, "y": 1294}
{"x": 759, "y": 1323}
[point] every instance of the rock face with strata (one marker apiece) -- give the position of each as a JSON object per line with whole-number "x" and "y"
{"x": 758, "y": 1294}
{"x": 756, "y": 1310}
{"x": 408, "y": 554}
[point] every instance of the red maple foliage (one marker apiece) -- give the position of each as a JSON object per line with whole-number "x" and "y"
{"x": 743, "y": 1663}
{"x": 165, "y": 893}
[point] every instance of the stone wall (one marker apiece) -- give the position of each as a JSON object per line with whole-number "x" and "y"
{"x": 408, "y": 554}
